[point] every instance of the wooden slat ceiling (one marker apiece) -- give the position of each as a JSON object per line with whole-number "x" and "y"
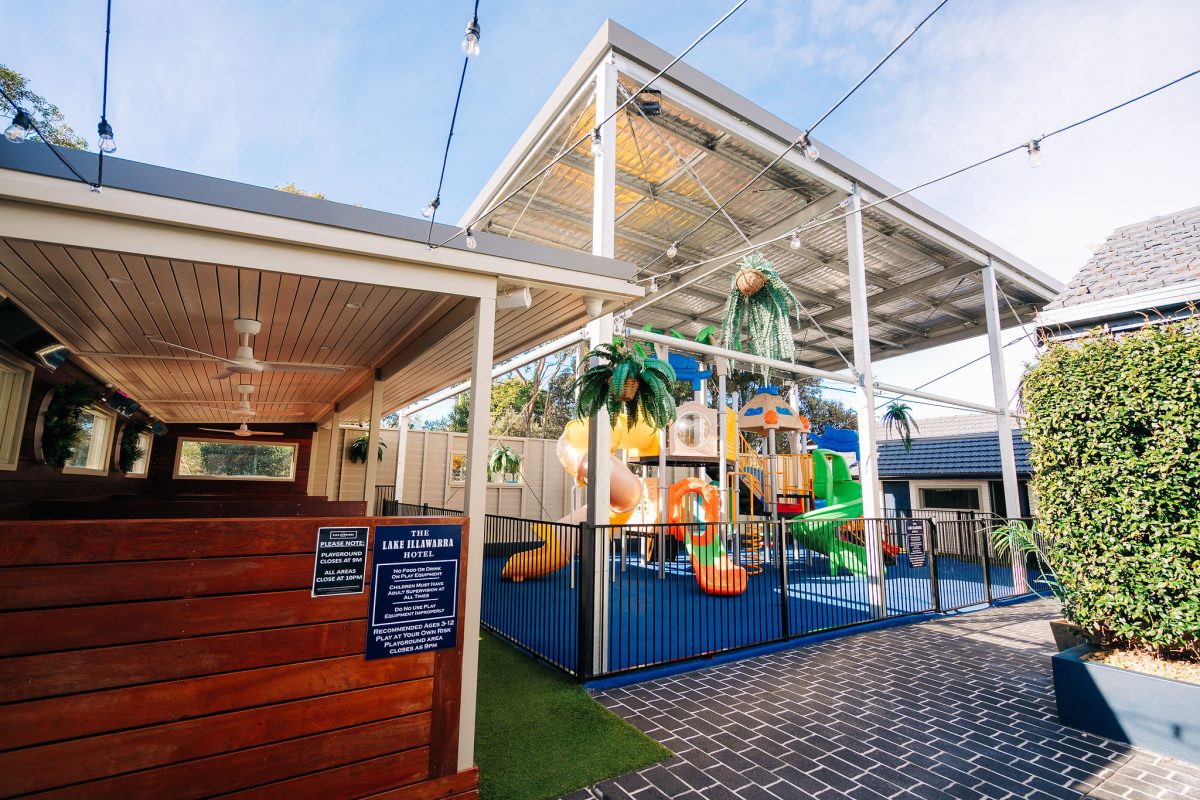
{"x": 106, "y": 302}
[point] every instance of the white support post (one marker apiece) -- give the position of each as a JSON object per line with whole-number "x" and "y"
{"x": 333, "y": 458}
{"x": 600, "y": 331}
{"x": 401, "y": 456}
{"x": 372, "y": 475}
{"x": 868, "y": 465}
{"x": 478, "y": 422}
{"x": 1004, "y": 425}
{"x": 722, "y": 461}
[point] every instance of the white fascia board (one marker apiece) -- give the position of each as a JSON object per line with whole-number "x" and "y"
{"x": 165, "y": 223}
{"x": 1173, "y": 295}
{"x": 640, "y": 59}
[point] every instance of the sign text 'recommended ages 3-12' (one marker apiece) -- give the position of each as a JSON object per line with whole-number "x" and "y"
{"x": 414, "y": 590}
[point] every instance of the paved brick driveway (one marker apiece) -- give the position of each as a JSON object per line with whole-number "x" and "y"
{"x": 956, "y": 708}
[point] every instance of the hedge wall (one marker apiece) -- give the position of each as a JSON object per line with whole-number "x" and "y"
{"x": 1114, "y": 424}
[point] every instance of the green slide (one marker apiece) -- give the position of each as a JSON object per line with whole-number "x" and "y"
{"x": 818, "y": 530}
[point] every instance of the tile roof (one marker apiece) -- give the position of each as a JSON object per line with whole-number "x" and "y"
{"x": 1158, "y": 252}
{"x": 973, "y": 455}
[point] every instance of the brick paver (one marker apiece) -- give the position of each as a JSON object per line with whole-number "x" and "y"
{"x": 961, "y": 707}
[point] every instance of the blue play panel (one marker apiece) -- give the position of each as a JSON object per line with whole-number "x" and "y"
{"x": 657, "y": 616}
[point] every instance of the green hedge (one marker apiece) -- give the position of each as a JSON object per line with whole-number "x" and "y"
{"x": 1114, "y": 424}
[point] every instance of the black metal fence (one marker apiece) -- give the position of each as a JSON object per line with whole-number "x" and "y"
{"x": 604, "y": 600}
{"x": 387, "y": 506}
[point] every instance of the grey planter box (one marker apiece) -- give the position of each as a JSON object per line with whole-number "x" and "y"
{"x": 1159, "y": 714}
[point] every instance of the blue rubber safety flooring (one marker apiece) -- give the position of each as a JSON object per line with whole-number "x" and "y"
{"x": 660, "y": 615}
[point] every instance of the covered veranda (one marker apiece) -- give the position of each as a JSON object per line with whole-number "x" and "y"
{"x": 356, "y": 316}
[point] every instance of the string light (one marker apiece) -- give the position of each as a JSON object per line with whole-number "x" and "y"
{"x": 432, "y": 206}
{"x": 107, "y": 145}
{"x": 597, "y": 143}
{"x": 808, "y": 148}
{"x": 19, "y": 129}
{"x": 470, "y": 42}
{"x": 653, "y": 285}
{"x": 1035, "y": 153}
{"x": 673, "y": 250}
{"x": 472, "y": 243}
{"x": 795, "y": 242}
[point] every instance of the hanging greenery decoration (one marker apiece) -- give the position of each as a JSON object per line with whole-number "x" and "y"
{"x": 898, "y": 421}
{"x": 503, "y": 460}
{"x": 131, "y": 445}
{"x": 625, "y": 381}
{"x": 62, "y": 424}
{"x": 358, "y": 449}
{"x": 760, "y": 302}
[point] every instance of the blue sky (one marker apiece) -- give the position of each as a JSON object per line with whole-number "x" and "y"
{"x": 353, "y": 99}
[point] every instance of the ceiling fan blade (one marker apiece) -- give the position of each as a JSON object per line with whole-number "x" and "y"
{"x": 223, "y": 374}
{"x": 190, "y": 350}
{"x": 285, "y": 366}
{"x": 218, "y": 430}
{"x": 267, "y": 433}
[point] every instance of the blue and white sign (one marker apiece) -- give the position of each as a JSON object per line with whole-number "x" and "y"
{"x": 414, "y": 589}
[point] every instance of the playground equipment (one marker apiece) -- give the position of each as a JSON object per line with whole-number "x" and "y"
{"x": 715, "y": 571}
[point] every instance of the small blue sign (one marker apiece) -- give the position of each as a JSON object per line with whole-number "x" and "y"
{"x": 414, "y": 589}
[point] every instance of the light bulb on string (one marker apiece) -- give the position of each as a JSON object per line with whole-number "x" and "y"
{"x": 1035, "y": 153}
{"x": 470, "y": 42}
{"x": 673, "y": 250}
{"x": 19, "y": 129}
{"x": 471, "y": 241}
{"x": 107, "y": 143}
{"x": 794, "y": 241}
{"x": 809, "y": 149}
{"x": 431, "y": 207}
{"x": 653, "y": 285}
{"x": 597, "y": 143}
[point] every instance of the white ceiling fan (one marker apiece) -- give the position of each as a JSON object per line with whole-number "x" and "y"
{"x": 242, "y": 430}
{"x": 244, "y": 363}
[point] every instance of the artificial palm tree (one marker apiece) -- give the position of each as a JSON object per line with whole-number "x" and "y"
{"x": 624, "y": 381}
{"x": 898, "y": 421}
{"x": 358, "y": 449}
{"x": 503, "y": 460}
{"x": 762, "y": 303}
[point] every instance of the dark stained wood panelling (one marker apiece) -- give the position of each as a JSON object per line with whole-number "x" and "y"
{"x": 186, "y": 659}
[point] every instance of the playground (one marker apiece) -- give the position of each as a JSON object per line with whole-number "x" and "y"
{"x": 725, "y": 531}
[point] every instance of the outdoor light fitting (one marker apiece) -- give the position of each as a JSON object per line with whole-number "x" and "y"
{"x": 810, "y": 150}
{"x": 471, "y": 241}
{"x": 470, "y": 42}
{"x": 1035, "y": 153}
{"x": 19, "y": 129}
{"x": 431, "y": 207}
{"x": 107, "y": 145}
{"x": 794, "y": 242}
{"x": 673, "y": 250}
{"x": 597, "y": 143}
{"x": 514, "y": 298}
{"x": 649, "y": 103}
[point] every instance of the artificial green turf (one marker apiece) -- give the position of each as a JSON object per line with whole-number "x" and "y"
{"x": 539, "y": 735}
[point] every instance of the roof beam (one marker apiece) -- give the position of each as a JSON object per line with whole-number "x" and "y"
{"x": 902, "y": 290}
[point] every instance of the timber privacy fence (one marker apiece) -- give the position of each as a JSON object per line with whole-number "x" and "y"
{"x": 627, "y": 597}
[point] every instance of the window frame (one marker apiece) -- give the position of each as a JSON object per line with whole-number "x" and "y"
{"x": 110, "y": 433}
{"x": 18, "y": 407}
{"x": 291, "y": 478}
{"x": 146, "y": 438}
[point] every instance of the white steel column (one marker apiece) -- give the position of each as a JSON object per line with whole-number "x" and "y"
{"x": 334, "y": 457}
{"x": 478, "y": 423}
{"x": 372, "y": 475}
{"x": 868, "y": 465}
{"x": 401, "y": 454}
{"x": 1004, "y": 426}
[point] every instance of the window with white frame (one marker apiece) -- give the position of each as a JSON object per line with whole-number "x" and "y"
{"x": 95, "y": 443}
{"x": 222, "y": 459}
{"x": 16, "y": 382}
{"x": 141, "y": 467}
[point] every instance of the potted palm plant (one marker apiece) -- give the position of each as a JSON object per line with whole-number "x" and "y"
{"x": 503, "y": 460}
{"x": 898, "y": 421}
{"x": 760, "y": 302}
{"x": 624, "y": 381}
{"x": 1015, "y": 536}
{"x": 358, "y": 449}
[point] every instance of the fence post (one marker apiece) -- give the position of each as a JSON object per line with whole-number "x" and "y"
{"x": 785, "y": 620}
{"x": 935, "y": 591}
{"x": 987, "y": 567}
{"x": 586, "y": 594}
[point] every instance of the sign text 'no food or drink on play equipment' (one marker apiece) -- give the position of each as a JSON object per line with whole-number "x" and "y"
{"x": 414, "y": 589}
{"x": 340, "y": 566}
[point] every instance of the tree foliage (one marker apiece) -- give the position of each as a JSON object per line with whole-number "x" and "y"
{"x": 292, "y": 188}
{"x": 898, "y": 421}
{"x": 624, "y": 382}
{"x": 45, "y": 114}
{"x": 1114, "y": 424}
{"x": 62, "y": 424}
{"x": 765, "y": 314}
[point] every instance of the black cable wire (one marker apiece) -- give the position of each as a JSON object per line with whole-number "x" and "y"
{"x": 42, "y": 138}
{"x": 104, "y": 96}
{"x": 803, "y": 136}
{"x": 598, "y": 125}
{"x": 437, "y": 197}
